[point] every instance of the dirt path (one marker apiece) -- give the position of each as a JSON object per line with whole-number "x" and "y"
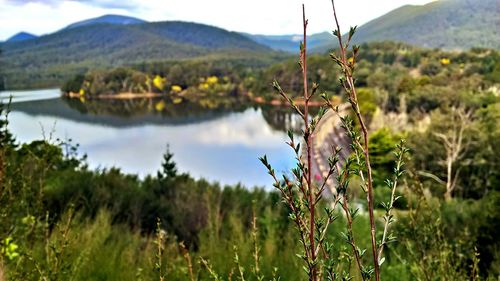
{"x": 327, "y": 137}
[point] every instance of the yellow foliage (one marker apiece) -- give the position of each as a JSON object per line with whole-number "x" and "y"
{"x": 350, "y": 60}
{"x": 82, "y": 92}
{"x": 159, "y": 82}
{"x": 82, "y": 99}
{"x": 28, "y": 220}
{"x": 159, "y": 106}
{"x": 9, "y": 248}
{"x": 176, "y": 100}
{"x": 212, "y": 80}
{"x": 176, "y": 88}
{"x": 445, "y": 61}
{"x": 203, "y": 86}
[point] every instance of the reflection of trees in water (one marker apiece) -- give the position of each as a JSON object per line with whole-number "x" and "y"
{"x": 140, "y": 107}
{"x": 133, "y": 112}
{"x": 279, "y": 118}
{"x": 122, "y": 108}
{"x": 282, "y": 119}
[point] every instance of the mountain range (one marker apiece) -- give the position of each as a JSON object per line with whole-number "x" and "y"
{"x": 113, "y": 40}
{"x": 446, "y": 24}
{"x": 318, "y": 42}
{"x": 111, "y": 19}
{"x": 21, "y": 36}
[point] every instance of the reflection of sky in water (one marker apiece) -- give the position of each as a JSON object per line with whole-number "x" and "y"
{"x": 20, "y": 96}
{"x": 225, "y": 149}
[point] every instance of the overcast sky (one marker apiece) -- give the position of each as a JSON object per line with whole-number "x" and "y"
{"x": 253, "y": 16}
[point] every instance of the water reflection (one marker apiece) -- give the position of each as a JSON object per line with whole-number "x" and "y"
{"x": 281, "y": 118}
{"x": 220, "y": 143}
{"x": 23, "y": 96}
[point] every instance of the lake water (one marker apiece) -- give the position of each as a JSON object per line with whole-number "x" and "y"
{"x": 219, "y": 144}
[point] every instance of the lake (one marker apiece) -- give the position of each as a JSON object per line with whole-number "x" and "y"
{"x": 218, "y": 143}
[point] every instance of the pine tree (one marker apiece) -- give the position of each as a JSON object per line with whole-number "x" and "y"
{"x": 169, "y": 168}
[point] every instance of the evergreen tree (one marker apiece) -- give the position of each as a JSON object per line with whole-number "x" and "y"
{"x": 169, "y": 169}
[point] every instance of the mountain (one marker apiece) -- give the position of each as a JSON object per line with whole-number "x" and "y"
{"x": 447, "y": 24}
{"x": 50, "y": 59}
{"x": 111, "y": 19}
{"x": 290, "y": 43}
{"x": 21, "y": 36}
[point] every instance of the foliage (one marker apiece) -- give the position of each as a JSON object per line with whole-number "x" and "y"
{"x": 73, "y": 85}
{"x": 382, "y": 143}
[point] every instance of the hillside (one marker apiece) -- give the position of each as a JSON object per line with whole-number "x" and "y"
{"x": 290, "y": 43}
{"x": 447, "y": 24}
{"x": 50, "y": 59}
{"x": 21, "y": 36}
{"x": 111, "y": 19}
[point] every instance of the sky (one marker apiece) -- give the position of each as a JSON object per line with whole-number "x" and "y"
{"x": 271, "y": 17}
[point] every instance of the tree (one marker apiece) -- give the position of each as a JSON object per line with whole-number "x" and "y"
{"x": 169, "y": 169}
{"x": 451, "y": 131}
{"x": 74, "y": 84}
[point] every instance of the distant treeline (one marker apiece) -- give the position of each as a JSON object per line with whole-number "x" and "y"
{"x": 393, "y": 68}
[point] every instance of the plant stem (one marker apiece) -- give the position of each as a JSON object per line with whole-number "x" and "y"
{"x": 303, "y": 59}
{"x": 351, "y": 91}
{"x": 352, "y": 242}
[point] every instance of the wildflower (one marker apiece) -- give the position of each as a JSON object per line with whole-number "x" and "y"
{"x": 159, "y": 82}
{"x": 176, "y": 88}
{"x": 445, "y": 61}
{"x": 212, "y": 80}
{"x": 203, "y": 86}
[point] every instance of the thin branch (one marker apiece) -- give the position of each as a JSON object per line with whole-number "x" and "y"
{"x": 432, "y": 176}
{"x": 351, "y": 91}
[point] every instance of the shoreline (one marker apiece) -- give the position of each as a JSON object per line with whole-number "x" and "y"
{"x": 130, "y": 96}
{"x": 119, "y": 96}
{"x": 281, "y": 102}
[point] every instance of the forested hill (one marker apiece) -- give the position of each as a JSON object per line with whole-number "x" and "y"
{"x": 318, "y": 42}
{"x": 112, "y": 19}
{"x": 21, "y": 36}
{"x": 447, "y": 24}
{"x": 48, "y": 60}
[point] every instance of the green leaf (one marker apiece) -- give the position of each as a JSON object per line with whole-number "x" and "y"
{"x": 352, "y": 30}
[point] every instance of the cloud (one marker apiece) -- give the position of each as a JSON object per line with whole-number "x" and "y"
{"x": 107, "y": 4}
{"x": 23, "y": 2}
{"x": 113, "y": 4}
{"x": 257, "y": 16}
{"x": 42, "y": 17}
